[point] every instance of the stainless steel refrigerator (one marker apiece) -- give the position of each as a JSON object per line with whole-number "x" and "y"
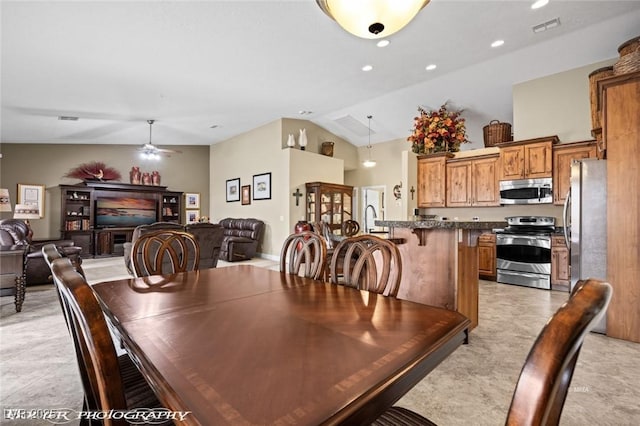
{"x": 585, "y": 216}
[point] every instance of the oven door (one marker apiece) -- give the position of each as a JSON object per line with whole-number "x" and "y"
{"x": 525, "y": 253}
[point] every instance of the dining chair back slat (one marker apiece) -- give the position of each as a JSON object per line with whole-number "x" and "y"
{"x": 306, "y": 248}
{"x": 368, "y": 263}
{"x": 165, "y": 252}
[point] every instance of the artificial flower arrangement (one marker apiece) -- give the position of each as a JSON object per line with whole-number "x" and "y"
{"x": 95, "y": 170}
{"x": 438, "y": 131}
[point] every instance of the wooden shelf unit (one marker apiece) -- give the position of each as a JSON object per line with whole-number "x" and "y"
{"x": 331, "y": 203}
{"x": 78, "y": 214}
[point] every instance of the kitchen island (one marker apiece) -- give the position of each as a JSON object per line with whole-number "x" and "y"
{"x": 440, "y": 262}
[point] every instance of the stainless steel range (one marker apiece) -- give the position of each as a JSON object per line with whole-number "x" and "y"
{"x": 523, "y": 251}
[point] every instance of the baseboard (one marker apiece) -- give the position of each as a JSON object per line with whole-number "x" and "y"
{"x": 269, "y": 256}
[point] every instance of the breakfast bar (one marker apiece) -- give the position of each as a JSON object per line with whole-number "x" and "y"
{"x": 440, "y": 262}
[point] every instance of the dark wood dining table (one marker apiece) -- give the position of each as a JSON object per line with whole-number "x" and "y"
{"x": 248, "y": 345}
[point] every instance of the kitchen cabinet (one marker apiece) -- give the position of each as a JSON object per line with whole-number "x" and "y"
{"x": 331, "y": 203}
{"x": 473, "y": 182}
{"x": 487, "y": 256}
{"x": 563, "y": 156}
{"x": 527, "y": 159}
{"x": 560, "y": 272}
{"x": 620, "y": 108}
{"x": 432, "y": 179}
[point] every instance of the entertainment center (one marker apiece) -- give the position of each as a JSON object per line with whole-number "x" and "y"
{"x": 101, "y": 216}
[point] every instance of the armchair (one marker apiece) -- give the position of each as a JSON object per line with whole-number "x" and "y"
{"x": 16, "y": 232}
{"x": 241, "y": 238}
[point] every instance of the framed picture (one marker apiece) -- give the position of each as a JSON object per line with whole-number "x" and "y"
{"x": 233, "y": 190}
{"x": 192, "y": 200}
{"x": 246, "y": 195}
{"x": 262, "y": 186}
{"x": 192, "y": 216}
{"x": 32, "y": 195}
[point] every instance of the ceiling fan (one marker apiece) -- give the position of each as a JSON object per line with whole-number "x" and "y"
{"x": 151, "y": 151}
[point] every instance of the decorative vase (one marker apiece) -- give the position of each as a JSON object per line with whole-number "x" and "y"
{"x": 291, "y": 142}
{"x": 155, "y": 177}
{"x": 303, "y": 139}
{"x": 146, "y": 178}
{"x": 327, "y": 149}
{"x": 134, "y": 175}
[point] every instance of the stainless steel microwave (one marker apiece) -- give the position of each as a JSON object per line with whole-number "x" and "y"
{"x": 526, "y": 191}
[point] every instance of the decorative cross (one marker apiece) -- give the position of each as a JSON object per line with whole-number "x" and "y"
{"x": 297, "y": 194}
{"x": 412, "y": 190}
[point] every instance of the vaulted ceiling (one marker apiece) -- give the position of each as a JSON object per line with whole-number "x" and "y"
{"x": 209, "y": 70}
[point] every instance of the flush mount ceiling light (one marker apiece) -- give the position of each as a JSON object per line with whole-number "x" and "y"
{"x": 372, "y": 18}
{"x": 369, "y": 162}
{"x": 539, "y": 3}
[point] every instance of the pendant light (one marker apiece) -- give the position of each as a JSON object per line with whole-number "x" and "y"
{"x": 369, "y": 162}
{"x": 372, "y": 19}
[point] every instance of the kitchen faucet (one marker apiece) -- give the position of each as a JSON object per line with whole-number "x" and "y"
{"x": 375, "y": 216}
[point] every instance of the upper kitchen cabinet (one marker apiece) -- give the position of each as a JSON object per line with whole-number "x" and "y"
{"x": 563, "y": 156}
{"x": 473, "y": 182}
{"x": 432, "y": 179}
{"x": 527, "y": 159}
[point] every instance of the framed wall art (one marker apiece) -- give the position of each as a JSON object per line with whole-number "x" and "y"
{"x": 246, "y": 195}
{"x": 262, "y": 186}
{"x": 192, "y": 200}
{"x": 32, "y": 195}
{"x": 192, "y": 216}
{"x": 233, "y": 190}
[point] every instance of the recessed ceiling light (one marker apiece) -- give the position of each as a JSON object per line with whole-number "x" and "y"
{"x": 497, "y": 43}
{"x": 431, "y": 67}
{"x": 383, "y": 43}
{"x": 367, "y": 68}
{"x": 539, "y": 3}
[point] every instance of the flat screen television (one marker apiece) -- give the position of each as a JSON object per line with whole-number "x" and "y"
{"x": 114, "y": 212}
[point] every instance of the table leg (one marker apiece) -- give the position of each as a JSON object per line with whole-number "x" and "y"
{"x": 21, "y": 287}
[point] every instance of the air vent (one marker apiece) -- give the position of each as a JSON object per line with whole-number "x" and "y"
{"x": 67, "y": 118}
{"x": 555, "y": 22}
{"x": 354, "y": 126}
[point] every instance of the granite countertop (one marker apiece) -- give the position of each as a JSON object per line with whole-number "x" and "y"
{"x": 441, "y": 224}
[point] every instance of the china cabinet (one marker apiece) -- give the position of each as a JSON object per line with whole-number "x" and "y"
{"x": 330, "y": 203}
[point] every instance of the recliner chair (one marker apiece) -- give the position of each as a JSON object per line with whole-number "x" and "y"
{"x": 14, "y": 232}
{"x": 241, "y": 238}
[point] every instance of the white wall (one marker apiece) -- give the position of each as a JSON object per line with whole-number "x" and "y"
{"x": 555, "y": 105}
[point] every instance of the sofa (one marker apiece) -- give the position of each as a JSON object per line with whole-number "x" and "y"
{"x": 208, "y": 235}
{"x": 14, "y": 232}
{"x": 241, "y": 238}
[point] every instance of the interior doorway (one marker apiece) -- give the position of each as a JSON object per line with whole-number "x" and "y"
{"x": 373, "y": 206}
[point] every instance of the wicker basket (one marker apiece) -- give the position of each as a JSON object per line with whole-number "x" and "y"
{"x": 594, "y": 77}
{"x": 496, "y": 132}
{"x": 629, "y": 57}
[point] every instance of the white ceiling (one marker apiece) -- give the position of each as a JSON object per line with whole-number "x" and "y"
{"x": 240, "y": 64}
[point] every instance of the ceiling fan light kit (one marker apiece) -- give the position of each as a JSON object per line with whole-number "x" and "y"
{"x": 151, "y": 152}
{"x": 372, "y": 19}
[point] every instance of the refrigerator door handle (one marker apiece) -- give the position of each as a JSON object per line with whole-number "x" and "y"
{"x": 565, "y": 218}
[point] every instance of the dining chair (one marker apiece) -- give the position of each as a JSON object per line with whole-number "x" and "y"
{"x": 110, "y": 382}
{"x": 542, "y": 387}
{"x": 350, "y": 228}
{"x": 368, "y": 263}
{"x": 165, "y": 252}
{"x": 306, "y": 248}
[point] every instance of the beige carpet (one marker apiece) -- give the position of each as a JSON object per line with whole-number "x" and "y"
{"x": 471, "y": 387}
